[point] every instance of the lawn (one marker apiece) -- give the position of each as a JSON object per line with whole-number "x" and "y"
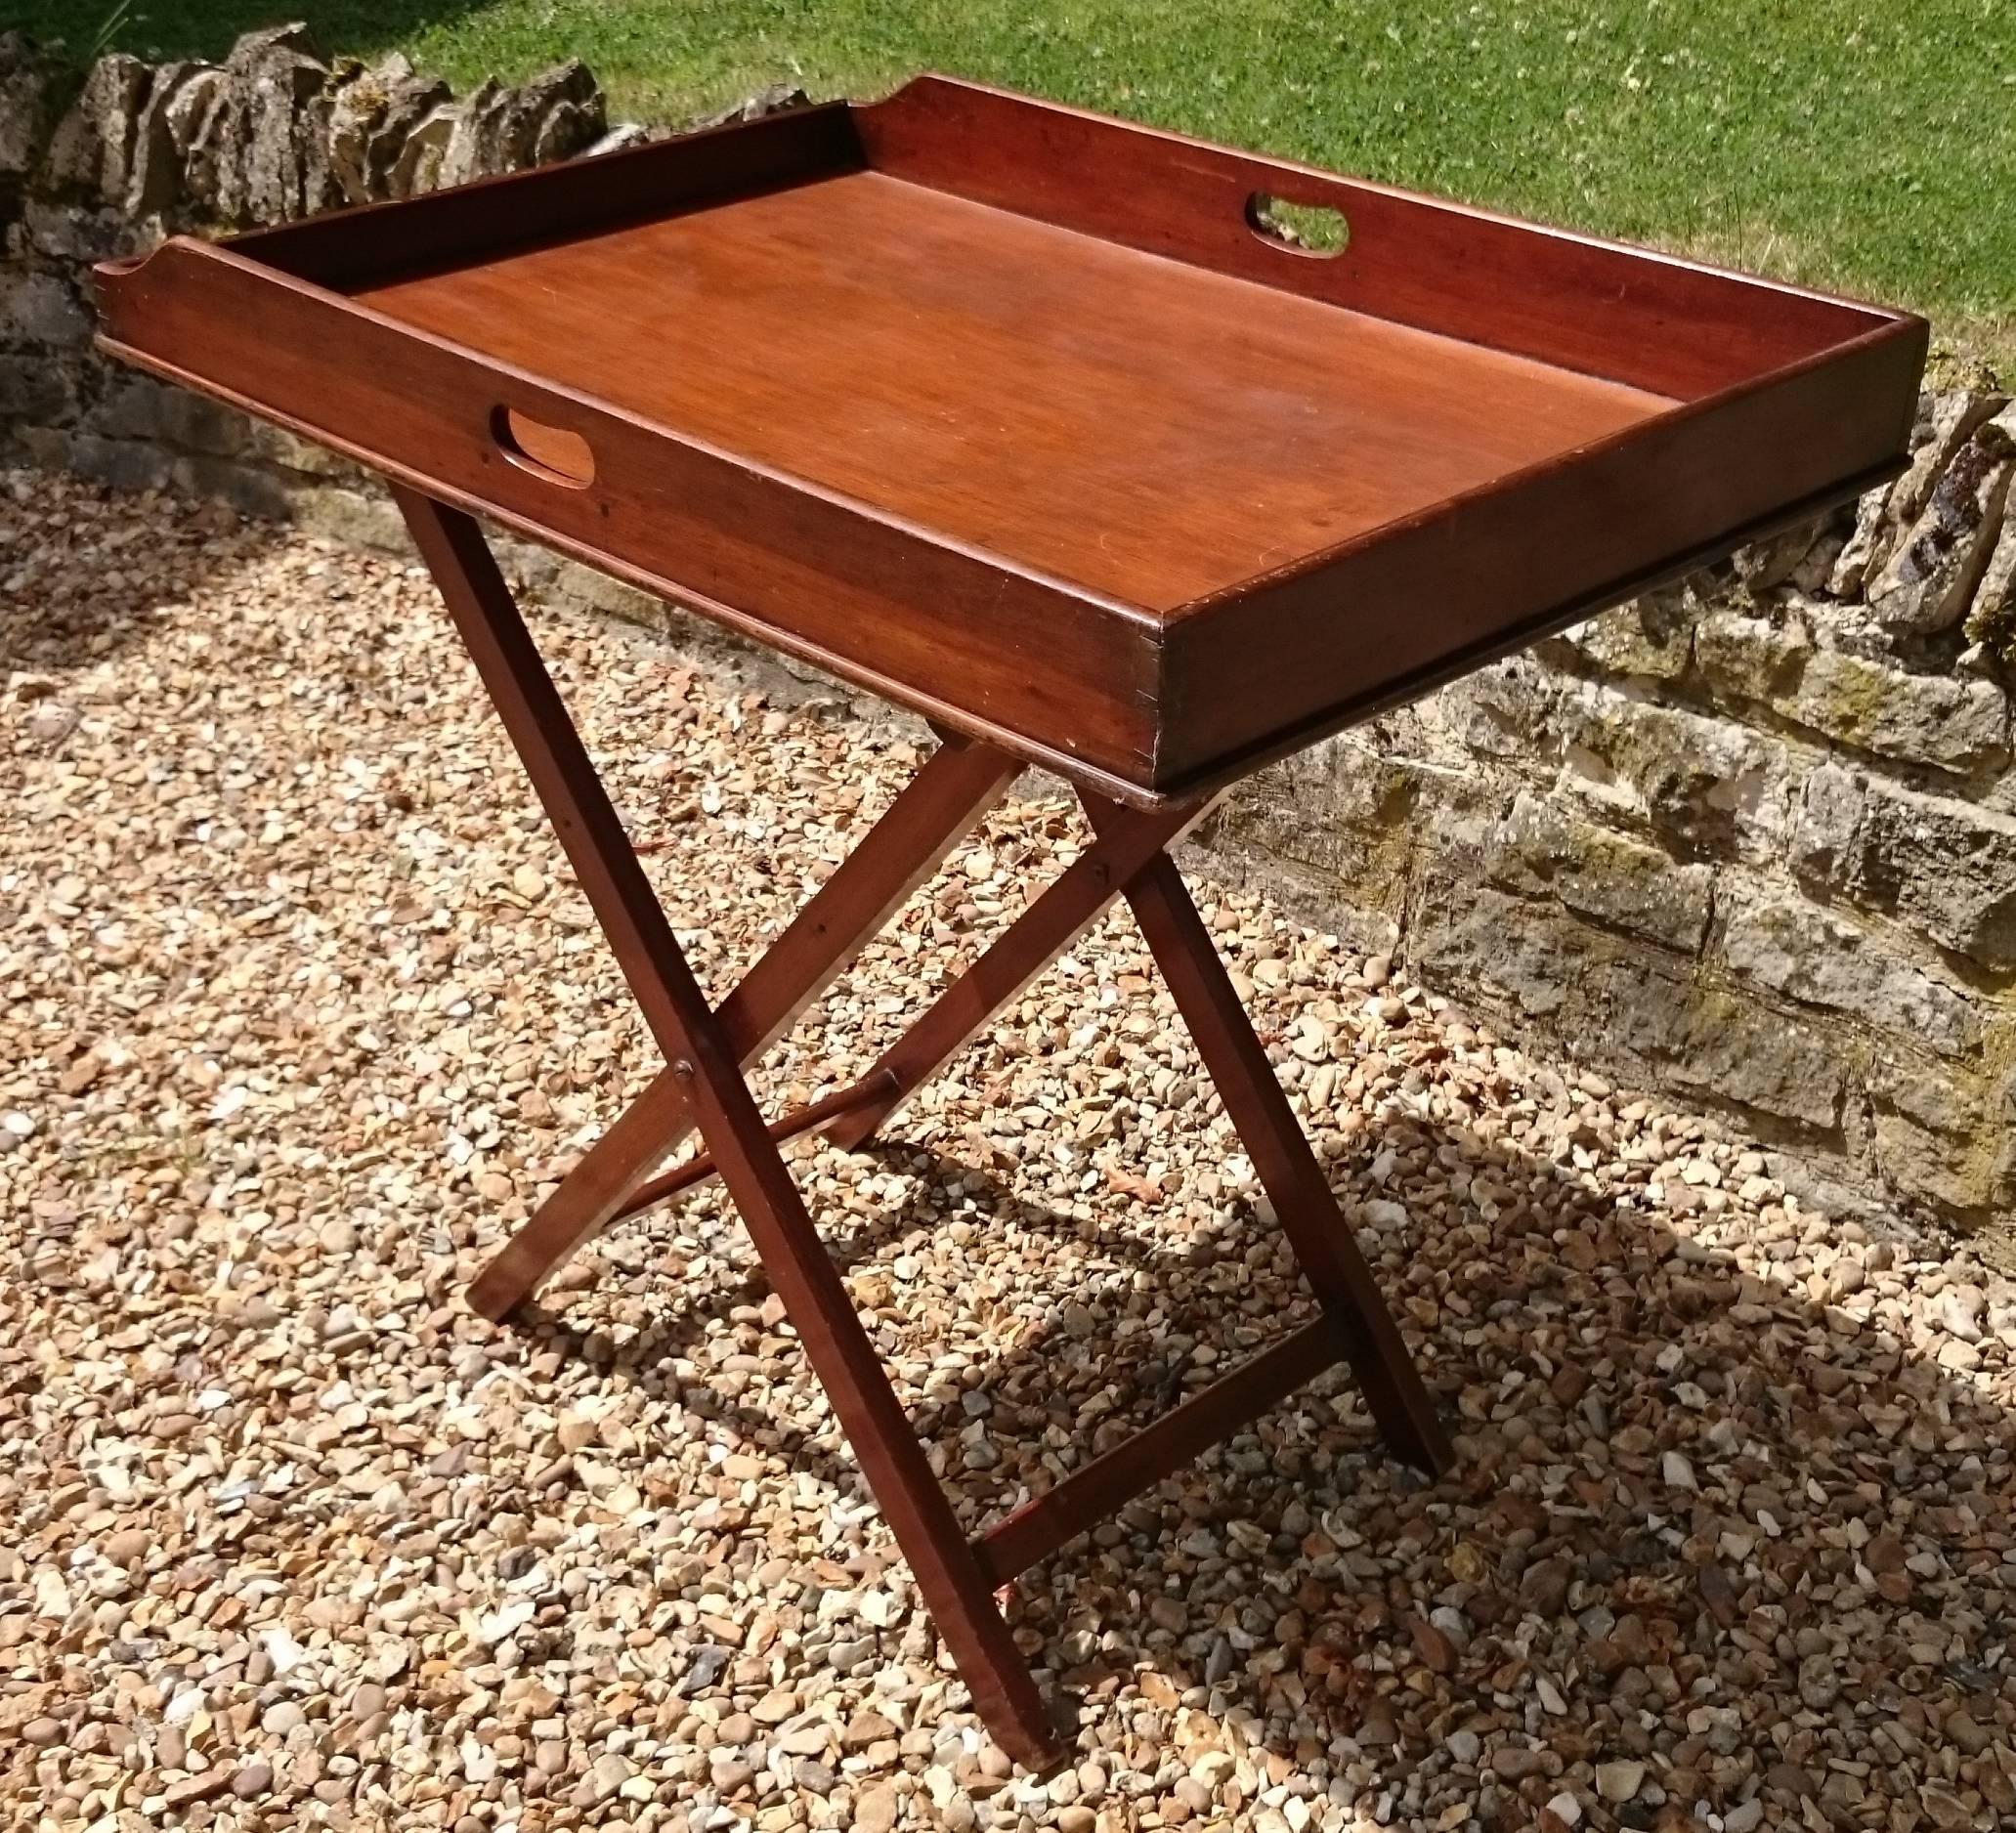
{"x": 1837, "y": 141}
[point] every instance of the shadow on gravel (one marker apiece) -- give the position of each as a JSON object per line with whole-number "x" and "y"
{"x": 1700, "y": 1521}
{"x": 83, "y": 574}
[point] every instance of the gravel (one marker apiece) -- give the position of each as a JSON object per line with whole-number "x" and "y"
{"x": 303, "y": 1016}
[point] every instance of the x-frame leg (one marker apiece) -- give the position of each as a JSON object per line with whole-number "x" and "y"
{"x": 708, "y": 1080}
{"x": 702, "y": 1087}
{"x": 958, "y": 785}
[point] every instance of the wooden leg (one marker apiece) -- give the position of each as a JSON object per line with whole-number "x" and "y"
{"x": 955, "y": 1585}
{"x": 1058, "y": 917}
{"x": 1287, "y": 1167}
{"x": 706, "y": 1065}
{"x": 943, "y": 803}
{"x": 589, "y": 1198}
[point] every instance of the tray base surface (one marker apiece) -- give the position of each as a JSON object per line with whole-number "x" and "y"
{"x": 1132, "y": 425}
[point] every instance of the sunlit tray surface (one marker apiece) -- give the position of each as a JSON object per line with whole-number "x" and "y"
{"x": 1030, "y": 419}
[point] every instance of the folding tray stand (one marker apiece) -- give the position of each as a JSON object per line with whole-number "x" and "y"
{"x": 1034, "y": 423}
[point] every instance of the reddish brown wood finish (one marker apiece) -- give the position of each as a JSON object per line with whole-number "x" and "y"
{"x": 957, "y": 785}
{"x": 705, "y": 1069}
{"x": 589, "y": 1198}
{"x": 1091, "y": 1492}
{"x": 1059, "y": 916}
{"x": 702, "y": 1087}
{"x": 860, "y": 332}
{"x": 700, "y": 1168}
{"x": 1007, "y": 412}
{"x": 1287, "y": 1167}
{"x": 986, "y": 646}
{"x": 1574, "y": 302}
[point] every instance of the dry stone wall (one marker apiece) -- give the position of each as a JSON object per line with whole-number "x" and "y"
{"x": 137, "y": 152}
{"x": 275, "y": 132}
{"x": 1750, "y": 840}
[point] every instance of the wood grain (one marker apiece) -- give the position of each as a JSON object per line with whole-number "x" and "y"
{"x": 1675, "y": 328}
{"x": 995, "y": 649}
{"x": 1005, "y": 411}
{"x": 986, "y": 376}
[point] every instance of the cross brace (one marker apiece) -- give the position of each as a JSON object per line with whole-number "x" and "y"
{"x": 707, "y": 1048}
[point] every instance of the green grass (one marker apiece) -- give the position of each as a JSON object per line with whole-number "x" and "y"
{"x": 1843, "y": 142}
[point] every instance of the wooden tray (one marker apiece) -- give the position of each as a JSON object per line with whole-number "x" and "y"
{"x": 1020, "y": 416}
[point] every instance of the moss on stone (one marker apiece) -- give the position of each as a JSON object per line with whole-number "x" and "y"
{"x": 1993, "y": 627}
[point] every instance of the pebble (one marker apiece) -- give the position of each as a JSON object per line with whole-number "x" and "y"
{"x": 188, "y": 1790}
{"x": 253, "y": 1780}
{"x": 1437, "y": 1651}
{"x": 368, "y": 1701}
{"x": 875, "y": 1812}
{"x": 606, "y": 1777}
{"x": 305, "y": 1018}
{"x": 1619, "y": 1781}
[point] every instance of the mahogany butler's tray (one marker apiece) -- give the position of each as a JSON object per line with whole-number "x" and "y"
{"x": 1020, "y": 416}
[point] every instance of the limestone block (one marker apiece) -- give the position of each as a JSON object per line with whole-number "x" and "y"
{"x": 1505, "y": 711}
{"x": 370, "y": 117}
{"x": 250, "y": 489}
{"x": 1955, "y": 419}
{"x": 1991, "y": 622}
{"x": 154, "y": 182}
{"x": 1868, "y": 545}
{"x": 1819, "y": 958}
{"x": 1943, "y": 1138}
{"x": 34, "y": 389}
{"x": 1945, "y": 866}
{"x": 1748, "y": 659}
{"x": 138, "y": 407}
{"x": 563, "y": 113}
{"x": 195, "y": 118}
{"x": 1622, "y": 1003}
{"x": 1350, "y": 825}
{"x": 126, "y": 464}
{"x": 1541, "y": 849}
{"x": 275, "y": 446}
{"x": 1873, "y": 703}
{"x": 1813, "y": 573}
{"x": 416, "y": 167}
{"x": 558, "y": 113}
{"x": 1928, "y": 584}
{"x": 772, "y": 99}
{"x": 1651, "y": 636}
{"x": 28, "y": 90}
{"x": 274, "y": 117}
{"x": 620, "y": 138}
{"x": 68, "y": 233}
{"x": 90, "y": 155}
{"x": 1714, "y": 785}
{"x": 352, "y": 517}
{"x": 37, "y": 308}
{"x": 473, "y": 136}
{"x": 1772, "y": 561}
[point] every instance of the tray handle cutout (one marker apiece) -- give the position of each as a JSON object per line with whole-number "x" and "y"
{"x": 550, "y": 454}
{"x": 1319, "y": 230}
